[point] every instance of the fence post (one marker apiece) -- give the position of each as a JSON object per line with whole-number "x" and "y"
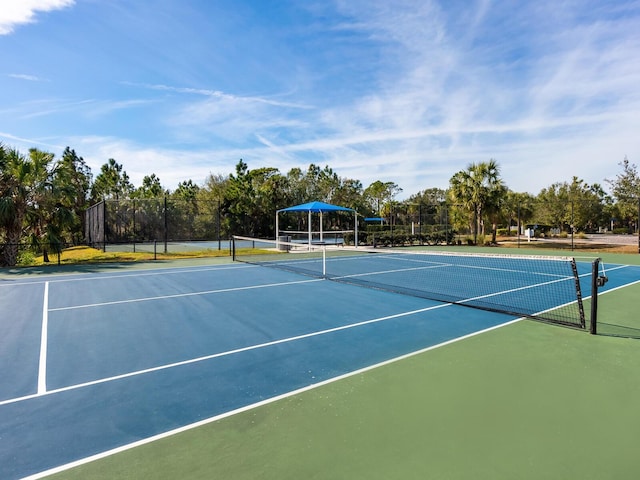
{"x": 166, "y": 233}
{"x": 104, "y": 225}
{"x": 218, "y": 225}
{"x": 519, "y": 225}
{"x": 134, "y": 225}
{"x": 572, "y": 225}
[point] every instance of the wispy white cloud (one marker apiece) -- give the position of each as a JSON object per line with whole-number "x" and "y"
{"x": 43, "y": 108}
{"x": 537, "y": 95}
{"x": 232, "y": 120}
{"x": 86, "y": 108}
{"x": 220, "y": 95}
{"x": 19, "y": 12}
{"x": 22, "y": 143}
{"x": 29, "y": 78}
{"x": 404, "y": 91}
{"x": 98, "y": 108}
{"x": 141, "y": 160}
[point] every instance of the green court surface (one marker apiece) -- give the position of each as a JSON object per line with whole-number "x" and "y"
{"x": 524, "y": 401}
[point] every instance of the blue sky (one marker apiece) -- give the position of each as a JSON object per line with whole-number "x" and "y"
{"x": 403, "y": 91}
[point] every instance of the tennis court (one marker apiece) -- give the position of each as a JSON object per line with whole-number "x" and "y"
{"x": 96, "y": 362}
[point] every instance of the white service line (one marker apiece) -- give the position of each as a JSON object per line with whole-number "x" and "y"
{"x": 180, "y": 295}
{"x": 252, "y": 406}
{"x": 227, "y": 353}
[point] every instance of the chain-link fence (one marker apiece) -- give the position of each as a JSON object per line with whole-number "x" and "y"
{"x": 140, "y": 224}
{"x": 165, "y": 225}
{"x": 59, "y": 253}
{"x": 160, "y": 223}
{"x": 561, "y": 224}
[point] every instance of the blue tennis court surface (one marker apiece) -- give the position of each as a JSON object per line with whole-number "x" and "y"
{"x": 93, "y": 362}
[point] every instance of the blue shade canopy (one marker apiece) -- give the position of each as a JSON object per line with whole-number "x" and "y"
{"x": 316, "y": 207}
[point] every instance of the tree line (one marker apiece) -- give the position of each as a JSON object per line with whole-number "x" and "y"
{"x": 43, "y": 198}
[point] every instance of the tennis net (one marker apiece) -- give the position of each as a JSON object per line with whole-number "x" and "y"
{"x": 540, "y": 287}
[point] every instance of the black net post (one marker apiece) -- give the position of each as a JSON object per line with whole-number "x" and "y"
{"x": 597, "y": 281}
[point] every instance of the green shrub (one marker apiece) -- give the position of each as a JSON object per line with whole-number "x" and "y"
{"x": 26, "y": 258}
{"x": 401, "y": 238}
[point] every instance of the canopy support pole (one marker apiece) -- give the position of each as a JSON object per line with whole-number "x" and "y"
{"x": 355, "y": 227}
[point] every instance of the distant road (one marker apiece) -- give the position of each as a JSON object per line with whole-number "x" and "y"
{"x": 612, "y": 239}
{"x": 596, "y": 238}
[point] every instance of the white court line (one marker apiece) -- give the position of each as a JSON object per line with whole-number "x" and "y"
{"x": 155, "y": 272}
{"x": 404, "y": 256}
{"x": 43, "y": 391}
{"x": 209, "y": 292}
{"x": 227, "y": 353}
{"x": 105, "y": 275}
{"x": 561, "y": 279}
{"x": 619, "y": 287}
{"x": 42, "y": 388}
{"x": 42, "y": 364}
{"x": 618, "y": 267}
{"x": 180, "y": 295}
{"x": 252, "y": 406}
{"x": 207, "y": 421}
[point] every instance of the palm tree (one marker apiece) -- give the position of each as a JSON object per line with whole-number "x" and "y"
{"x": 496, "y": 196}
{"x": 518, "y": 208}
{"x": 480, "y": 189}
{"x": 24, "y": 182}
{"x": 40, "y": 200}
{"x": 56, "y": 199}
